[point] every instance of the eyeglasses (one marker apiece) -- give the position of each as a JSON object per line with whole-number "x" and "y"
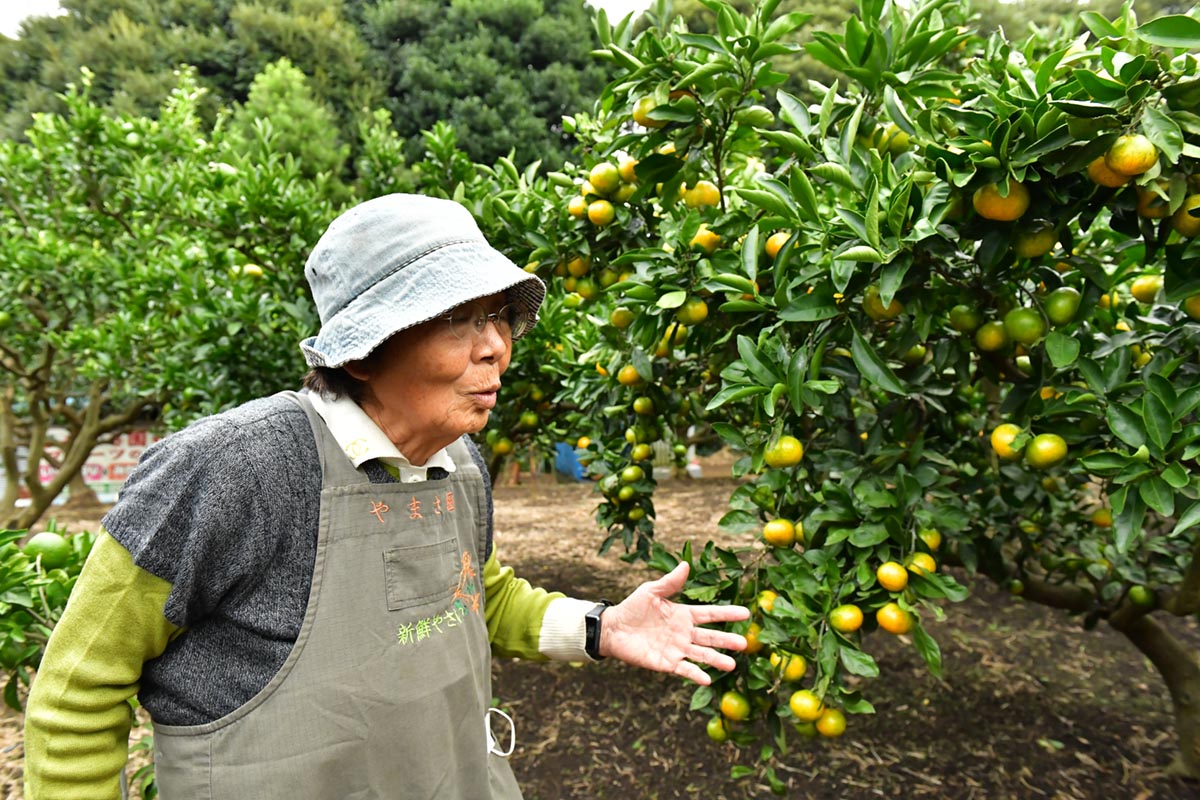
{"x": 469, "y": 320}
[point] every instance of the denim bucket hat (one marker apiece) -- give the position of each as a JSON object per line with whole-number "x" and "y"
{"x": 397, "y": 261}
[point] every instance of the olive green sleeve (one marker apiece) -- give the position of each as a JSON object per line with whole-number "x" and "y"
{"x": 78, "y": 715}
{"x": 531, "y": 623}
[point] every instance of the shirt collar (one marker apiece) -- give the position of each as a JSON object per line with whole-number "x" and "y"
{"x": 362, "y": 440}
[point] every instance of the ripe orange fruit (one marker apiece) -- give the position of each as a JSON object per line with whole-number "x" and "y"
{"x": 1045, "y": 450}
{"x": 1100, "y": 174}
{"x": 578, "y": 266}
{"x": 1102, "y": 518}
{"x": 932, "y": 537}
{"x": 766, "y": 601}
{"x": 1002, "y": 439}
{"x": 628, "y": 376}
{"x": 717, "y": 729}
{"x": 735, "y": 706}
{"x": 503, "y": 446}
{"x": 753, "y": 644}
{"x": 846, "y": 618}
{"x": 704, "y": 193}
{"x": 641, "y": 113}
{"x": 577, "y": 206}
{"x": 894, "y": 619}
{"x": 605, "y": 178}
{"x": 1150, "y": 205}
{"x": 991, "y": 336}
{"x": 990, "y": 205}
{"x": 892, "y": 576}
{"x": 626, "y": 169}
{"x": 875, "y": 308}
{"x": 1131, "y": 154}
{"x": 779, "y": 533}
{"x": 1024, "y": 325}
{"x": 832, "y": 723}
{"x": 776, "y": 241}
{"x": 785, "y": 452}
{"x": 806, "y": 706}
{"x": 1035, "y": 240}
{"x": 1185, "y": 223}
{"x": 692, "y": 312}
{"x": 601, "y": 212}
{"x": 706, "y": 240}
{"x": 920, "y": 563}
{"x": 790, "y": 666}
{"x": 1146, "y": 287}
{"x": 583, "y": 442}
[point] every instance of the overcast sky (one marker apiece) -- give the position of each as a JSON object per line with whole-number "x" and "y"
{"x": 13, "y": 11}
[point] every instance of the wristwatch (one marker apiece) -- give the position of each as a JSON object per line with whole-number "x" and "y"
{"x": 591, "y": 630}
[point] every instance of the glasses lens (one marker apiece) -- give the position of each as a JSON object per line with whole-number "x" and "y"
{"x": 518, "y": 321}
{"x": 467, "y": 320}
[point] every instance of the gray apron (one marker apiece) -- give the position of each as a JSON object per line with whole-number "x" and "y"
{"x": 386, "y": 692}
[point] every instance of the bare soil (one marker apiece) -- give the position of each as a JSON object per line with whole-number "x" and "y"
{"x": 1031, "y": 705}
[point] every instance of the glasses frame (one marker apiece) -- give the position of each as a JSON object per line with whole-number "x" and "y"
{"x": 510, "y": 320}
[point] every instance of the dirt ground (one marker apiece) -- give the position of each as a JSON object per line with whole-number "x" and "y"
{"x": 1031, "y": 706}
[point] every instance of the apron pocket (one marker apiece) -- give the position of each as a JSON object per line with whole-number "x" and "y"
{"x": 421, "y": 574}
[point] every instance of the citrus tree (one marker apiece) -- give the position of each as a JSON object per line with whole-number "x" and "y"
{"x": 149, "y": 275}
{"x": 947, "y": 314}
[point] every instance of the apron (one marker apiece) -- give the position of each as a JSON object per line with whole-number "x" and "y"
{"x": 386, "y": 692}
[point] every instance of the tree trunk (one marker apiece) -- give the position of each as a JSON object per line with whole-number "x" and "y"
{"x": 79, "y": 494}
{"x": 1181, "y": 672}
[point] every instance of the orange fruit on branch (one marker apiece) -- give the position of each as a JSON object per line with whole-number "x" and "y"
{"x": 1131, "y": 154}
{"x": 990, "y": 204}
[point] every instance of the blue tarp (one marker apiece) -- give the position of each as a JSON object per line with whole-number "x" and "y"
{"x": 566, "y": 462}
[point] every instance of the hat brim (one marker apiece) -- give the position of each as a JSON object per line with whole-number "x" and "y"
{"x": 428, "y": 288}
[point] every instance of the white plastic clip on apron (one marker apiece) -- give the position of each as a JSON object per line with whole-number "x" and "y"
{"x": 387, "y": 689}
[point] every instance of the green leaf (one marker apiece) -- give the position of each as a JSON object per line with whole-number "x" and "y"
{"x": 857, "y": 662}
{"x": 1127, "y": 425}
{"x": 872, "y": 367}
{"x": 1175, "y": 30}
{"x": 1163, "y": 131}
{"x": 869, "y": 536}
{"x": 1103, "y": 463}
{"x": 860, "y": 253}
{"x": 759, "y": 369}
{"x": 770, "y": 202}
{"x": 701, "y": 698}
{"x": 672, "y": 299}
{"x": 1175, "y": 476}
{"x": 1155, "y": 493}
{"x": 810, "y": 308}
{"x": 739, "y": 522}
{"x": 1062, "y": 349}
{"x": 1127, "y": 525}
{"x": 927, "y": 646}
{"x": 1158, "y": 419}
{"x": 731, "y": 393}
{"x": 1187, "y": 520}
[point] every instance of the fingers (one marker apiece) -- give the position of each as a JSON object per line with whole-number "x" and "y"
{"x": 702, "y": 615}
{"x": 721, "y": 640}
{"x": 672, "y": 583}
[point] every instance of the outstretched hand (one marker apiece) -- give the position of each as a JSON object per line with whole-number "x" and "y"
{"x": 647, "y": 630}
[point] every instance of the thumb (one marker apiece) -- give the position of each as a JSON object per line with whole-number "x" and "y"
{"x": 672, "y": 583}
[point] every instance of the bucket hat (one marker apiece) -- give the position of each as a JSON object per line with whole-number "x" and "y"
{"x": 399, "y": 260}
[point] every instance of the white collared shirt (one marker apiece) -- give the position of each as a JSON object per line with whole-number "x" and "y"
{"x": 362, "y": 440}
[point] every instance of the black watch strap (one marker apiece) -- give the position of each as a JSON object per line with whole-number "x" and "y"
{"x": 591, "y": 628}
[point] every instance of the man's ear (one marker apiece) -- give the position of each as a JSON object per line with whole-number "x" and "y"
{"x": 357, "y": 370}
